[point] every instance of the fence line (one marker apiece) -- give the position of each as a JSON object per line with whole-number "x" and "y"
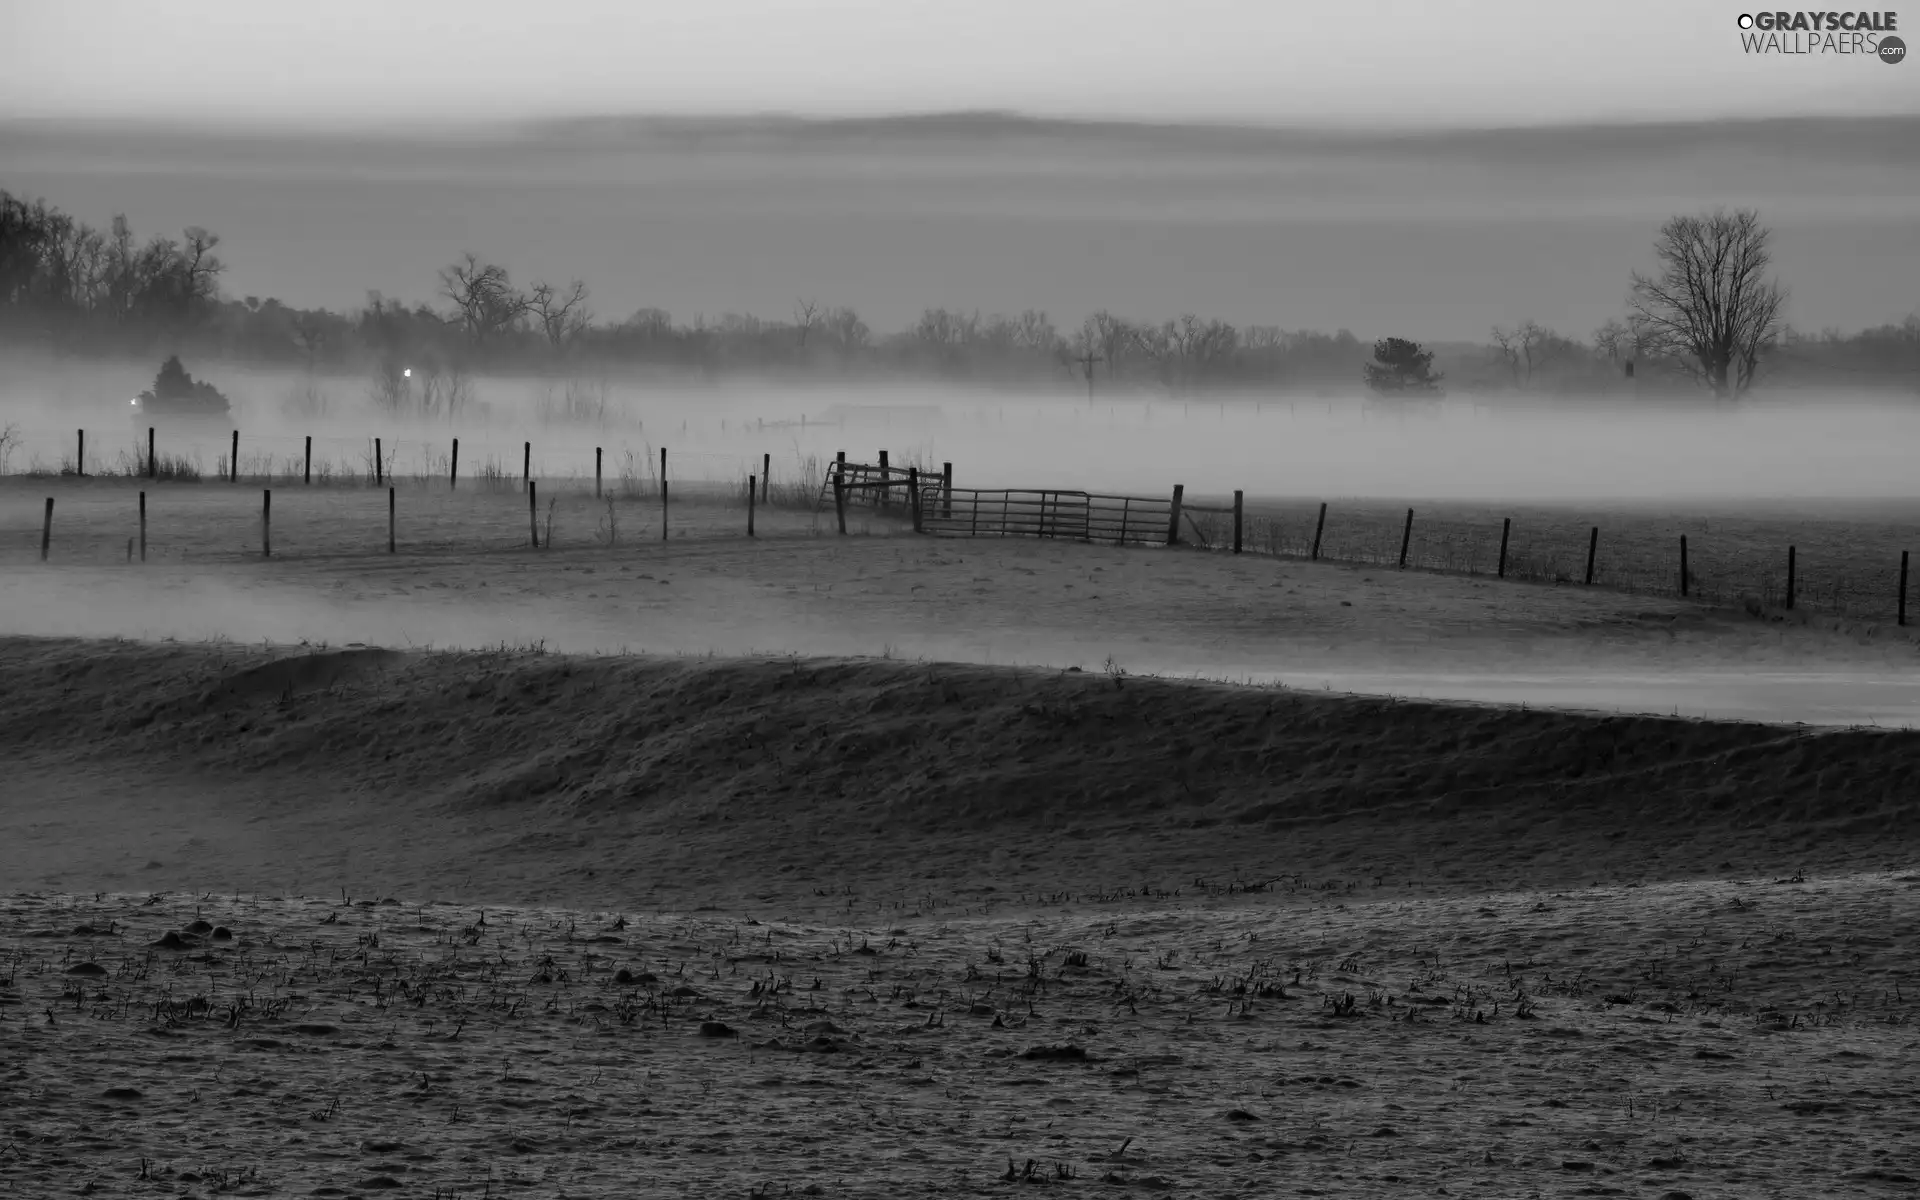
{"x": 1439, "y": 546}
{"x": 1698, "y": 569}
{"x": 231, "y": 454}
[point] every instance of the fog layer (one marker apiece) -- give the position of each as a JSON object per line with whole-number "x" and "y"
{"x": 1831, "y": 445}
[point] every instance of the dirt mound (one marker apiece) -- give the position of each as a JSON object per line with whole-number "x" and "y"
{"x": 602, "y": 759}
{"x": 930, "y": 746}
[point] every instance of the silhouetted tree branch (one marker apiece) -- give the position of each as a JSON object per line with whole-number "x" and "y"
{"x": 1710, "y": 306}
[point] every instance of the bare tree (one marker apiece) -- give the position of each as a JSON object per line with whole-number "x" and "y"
{"x": 649, "y": 324}
{"x": 1710, "y": 308}
{"x": 1196, "y": 345}
{"x": 88, "y": 258}
{"x": 1623, "y": 343}
{"x": 121, "y": 273}
{"x": 1612, "y": 341}
{"x": 1155, "y": 344}
{"x": 807, "y": 314}
{"x": 458, "y": 393}
{"x": 200, "y": 266}
{"x": 484, "y": 300}
{"x": 849, "y": 333}
{"x": 563, "y": 316}
{"x": 948, "y": 338}
{"x": 309, "y": 335}
{"x": 1035, "y": 332}
{"x": 1112, "y": 336}
{"x": 22, "y": 250}
{"x": 1527, "y": 347}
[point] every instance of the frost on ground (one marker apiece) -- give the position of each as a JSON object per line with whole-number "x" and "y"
{"x": 1239, "y": 1038}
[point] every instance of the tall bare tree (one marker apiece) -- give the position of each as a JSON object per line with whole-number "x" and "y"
{"x": 200, "y": 267}
{"x": 807, "y": 315}
{"x": 1112, "y": 335}
{"x": 484, "y": 299}
{"x": 1710, "y": 306}
{"x": 563, "y": 316}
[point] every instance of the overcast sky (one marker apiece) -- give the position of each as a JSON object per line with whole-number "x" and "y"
{"x": 1374, "y": 61}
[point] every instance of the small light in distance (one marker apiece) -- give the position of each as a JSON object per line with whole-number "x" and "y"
{"x": 407, "y": 374}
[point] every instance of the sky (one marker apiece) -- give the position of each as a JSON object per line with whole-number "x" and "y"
{"x": 1370, "y": 62}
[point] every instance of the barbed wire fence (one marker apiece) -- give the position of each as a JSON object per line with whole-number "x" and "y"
{"x": 1840, "y": 577}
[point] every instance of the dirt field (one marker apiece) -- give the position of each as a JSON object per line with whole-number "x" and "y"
{"x": 1332, "y": 1037}
{"x": 490, "y": 909}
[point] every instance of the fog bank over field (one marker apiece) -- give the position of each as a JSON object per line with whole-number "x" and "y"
{"x": 1318, "y": 444}
{"x": 1429, "y": 236}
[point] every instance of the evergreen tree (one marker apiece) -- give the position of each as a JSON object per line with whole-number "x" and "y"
{"x": 1401, "y": 366}
{"x": 173, "y": 382}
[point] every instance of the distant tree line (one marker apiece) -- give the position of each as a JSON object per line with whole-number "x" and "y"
{"x": 86, "y": 291}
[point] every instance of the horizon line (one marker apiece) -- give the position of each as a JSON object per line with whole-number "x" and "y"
{"x": 952, "y": 120}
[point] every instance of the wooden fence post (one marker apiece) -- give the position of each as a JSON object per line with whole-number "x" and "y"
{"x": 1790, "y": 565}
{"x": 390, "y": 519}
{"x": 1406, "y": 539}
{"x": 1593, "y": 548}
{"x": 533, "y": 512}
{"x": 306, "y": 474}
{"x": 1238, "y": 508}
{"x": 526, "y": 467}
{"x": 663, "y": 493}
{"x": 749, "y": 506}
{"x": 143, "y": 527}
{"x": 152, "y": 467}
{"x": 46, "y": 530}
{"x": 1902, "y": 618}
{"x": 1506, "y": 528}
{"x": 596, "y": 472}
{"x": 766, "y": 473}
{"x": 233, "y": 460}
{"x": 453, "y": 467}
{"x": 840, "y": 500}
{"x": 946, "y": 490}
{"x": 1683, "y": 566}
{"x": 1173, "y": 514}
{"x": 379, "y": 464}
{"x": 266, "y": 523}
{"x": 1319, "y": 528}
{"x": 80, "y": 461}
{"x": 913, "y": 496}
